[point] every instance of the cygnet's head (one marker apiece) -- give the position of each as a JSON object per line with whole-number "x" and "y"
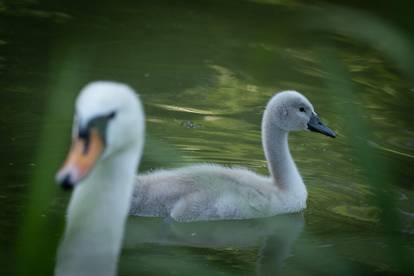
{"x": 108, "y": 121}
{"x": 291, "y": 111}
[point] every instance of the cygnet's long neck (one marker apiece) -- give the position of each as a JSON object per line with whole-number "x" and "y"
{"x": 280, "y": 163}
{"x": 96, "y": 218}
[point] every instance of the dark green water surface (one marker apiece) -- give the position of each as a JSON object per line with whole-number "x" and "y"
{"x": 204, "y": 71}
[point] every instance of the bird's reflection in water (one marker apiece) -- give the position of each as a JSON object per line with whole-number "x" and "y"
{"x": 273, "y": 236}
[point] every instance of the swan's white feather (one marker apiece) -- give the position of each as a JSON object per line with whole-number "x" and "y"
{"x": 99, "y": 204}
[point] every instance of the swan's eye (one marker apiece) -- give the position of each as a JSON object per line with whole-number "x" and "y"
{"x": 112, "y": 115}
{"x": 101, "y": 123}
{"x": 302, "y": 109}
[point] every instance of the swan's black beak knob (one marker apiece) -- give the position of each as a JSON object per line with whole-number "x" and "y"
{"x": 82, "y": 157}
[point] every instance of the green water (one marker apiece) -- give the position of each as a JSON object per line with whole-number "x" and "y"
{"x": 205, "y": 70}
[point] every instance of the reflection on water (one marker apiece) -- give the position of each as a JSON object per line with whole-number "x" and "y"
{"x": 205, "y": 70}
{"x": 267, "y": 242}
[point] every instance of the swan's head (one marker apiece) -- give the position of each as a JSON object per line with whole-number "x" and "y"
{"x": 291, "y": 111}
{"x": 108, "y": 121}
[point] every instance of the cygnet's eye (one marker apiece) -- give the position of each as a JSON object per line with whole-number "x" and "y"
{"x": 302, "y": 109}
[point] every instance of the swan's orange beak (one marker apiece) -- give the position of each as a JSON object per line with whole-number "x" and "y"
{"x": 82, "y": 157}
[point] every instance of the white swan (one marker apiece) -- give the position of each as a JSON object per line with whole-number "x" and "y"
{"x": 107, "y": 145}
{"x": 211, "y": 192}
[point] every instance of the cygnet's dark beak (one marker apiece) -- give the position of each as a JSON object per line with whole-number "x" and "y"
{"x": 316, "y": 125}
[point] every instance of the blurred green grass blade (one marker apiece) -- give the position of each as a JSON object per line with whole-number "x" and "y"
{"x": 376, "y": 32}
{"x": 376, "y": 171}
{"x": 37, "y": 239}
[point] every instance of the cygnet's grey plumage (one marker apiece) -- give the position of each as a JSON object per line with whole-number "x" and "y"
{"x": 213, "y": 192}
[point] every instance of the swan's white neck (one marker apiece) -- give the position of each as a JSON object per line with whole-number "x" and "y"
{"x": 280, "y": 163}
{"x": 96, "y": 217}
